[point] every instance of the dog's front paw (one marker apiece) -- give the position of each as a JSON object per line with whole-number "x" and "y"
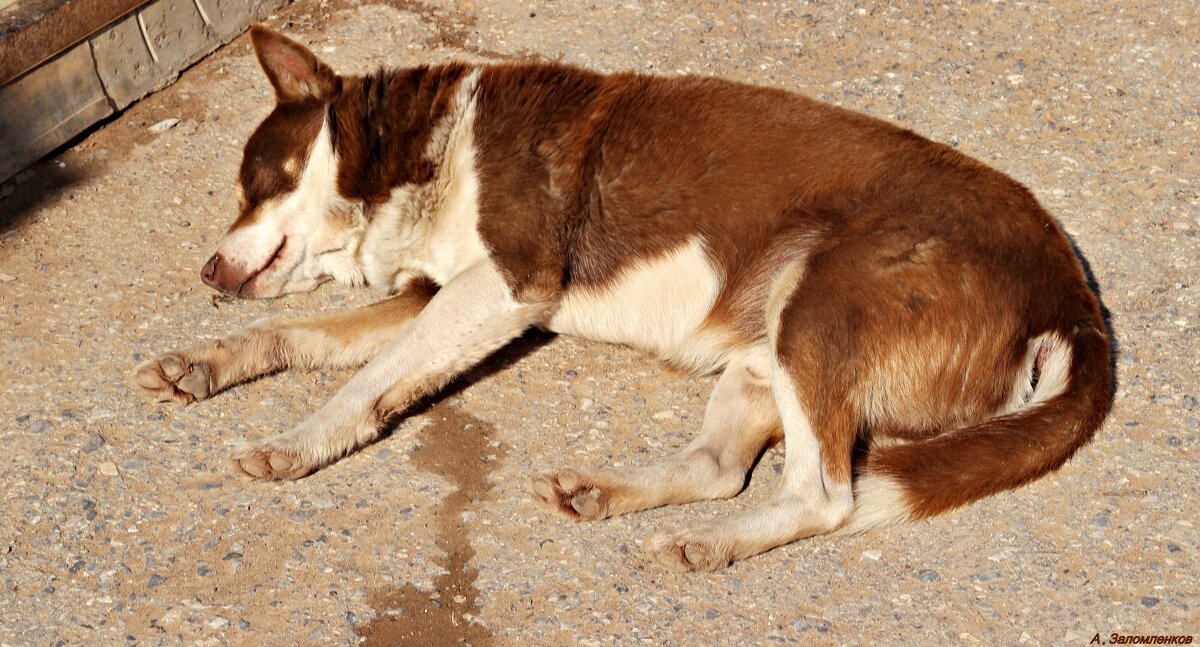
{"x": 571, "y": 493}
{"x": 174, "y": 378}
{"x": 271, "y": 460}
{"x": 689, "y": 550}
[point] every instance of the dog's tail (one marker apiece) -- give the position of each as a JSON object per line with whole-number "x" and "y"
{"x": 1071, "y": 389}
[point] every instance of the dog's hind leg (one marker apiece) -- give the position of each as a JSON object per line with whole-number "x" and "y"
{"x": 739, "y": 422}
{"x": 333, "y": 340}
{"x": 810, "y": 382}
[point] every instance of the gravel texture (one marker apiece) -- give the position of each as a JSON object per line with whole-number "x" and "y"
{"x": 123, "y": 522}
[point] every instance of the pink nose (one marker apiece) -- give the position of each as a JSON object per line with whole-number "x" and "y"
{"x": 216, "y": 273}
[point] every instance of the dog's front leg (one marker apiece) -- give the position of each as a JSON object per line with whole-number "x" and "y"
{"x": 472, "y": 316}
{"x": 332, "y": 340}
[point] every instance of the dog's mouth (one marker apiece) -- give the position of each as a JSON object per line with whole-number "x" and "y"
{"x": 266, "y": 266}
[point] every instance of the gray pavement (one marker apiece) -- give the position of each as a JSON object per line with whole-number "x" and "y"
{"x": 122, "y": 522}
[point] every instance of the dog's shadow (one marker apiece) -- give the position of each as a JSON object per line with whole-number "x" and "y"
{"x": 513, "y": 352}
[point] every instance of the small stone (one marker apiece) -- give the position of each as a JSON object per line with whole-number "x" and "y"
{"x": 107, "y": 468}
{"x": 712, "y": 614}
{"x": 164, "y": 125}
{"x": 7, "y": 278}
{"x": 928, "y": 575}
{"x": 203, "y": 571}
{"x": 41, "y": 427}
{"x": 665, "y": 414}
{"x": 1149, "y": 602}
{"x": 155, "y": 580}
{"x": 1173, "y": 548}
{"x": 873, "y": 554}
{"x": 93, "y": 442}
{"x": 243, "y": 625}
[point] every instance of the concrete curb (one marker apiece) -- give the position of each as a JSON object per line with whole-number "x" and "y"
{"x": 143, "y": 52}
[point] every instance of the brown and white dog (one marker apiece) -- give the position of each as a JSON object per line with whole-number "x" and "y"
{"x": 912, "y": 324}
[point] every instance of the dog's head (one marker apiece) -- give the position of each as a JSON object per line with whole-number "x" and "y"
{"x": 294, "y": 231}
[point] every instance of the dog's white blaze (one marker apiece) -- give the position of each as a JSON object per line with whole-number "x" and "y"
{"x": 432, "y": 229}
{"x": 315, "y": 249}
{"x": 657, "y": 305}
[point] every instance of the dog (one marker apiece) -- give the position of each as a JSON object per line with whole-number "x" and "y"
{"x": 911, "y": 323}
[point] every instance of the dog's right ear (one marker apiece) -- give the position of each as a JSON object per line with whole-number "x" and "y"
{"x": 295, "y": 72}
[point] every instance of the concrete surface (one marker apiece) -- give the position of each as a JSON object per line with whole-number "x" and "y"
{"x": 123, "y": 522}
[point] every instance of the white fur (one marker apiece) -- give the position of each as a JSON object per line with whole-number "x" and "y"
{"x": 1053, "y": 379}
{"x": 316, "y": 250}
{"x": 784, "y": 285}
{"x": 432, "y": 229}
{"x": 657, "y": 306}
{"x": 825, "y": 501}
{"x": 473, "y": 315}
{"x": 878, "y": 501}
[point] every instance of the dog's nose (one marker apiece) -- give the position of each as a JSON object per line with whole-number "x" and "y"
{"x": 211, "y": 271}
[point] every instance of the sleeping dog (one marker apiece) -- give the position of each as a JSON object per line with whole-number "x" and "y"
{"x": 911, "y": 323}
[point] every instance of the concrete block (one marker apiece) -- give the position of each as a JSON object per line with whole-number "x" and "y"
{"x": 232, "y": 17}
{"x": 124, "y": 64}
{"x": 178, "y": 33}
{"x": 47, "y": 107}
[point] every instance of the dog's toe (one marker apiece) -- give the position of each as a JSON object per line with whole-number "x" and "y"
{"x": 570, "y": 493}
{"x": 687, "y": 551}
{"x": 172, "y": 378}
{"x": 270, "y": 463}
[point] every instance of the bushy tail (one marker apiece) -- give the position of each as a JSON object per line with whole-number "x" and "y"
{"x": 925, "y": 478}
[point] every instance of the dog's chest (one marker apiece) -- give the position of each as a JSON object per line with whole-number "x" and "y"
{"x": 430, "y": 229}
{"x": 419, "y": 232}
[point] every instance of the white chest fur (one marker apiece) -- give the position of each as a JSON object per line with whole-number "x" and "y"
{"x": 431, "y": 229}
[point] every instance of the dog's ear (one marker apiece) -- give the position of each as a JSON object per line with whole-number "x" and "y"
{"x": 294, "y": 71}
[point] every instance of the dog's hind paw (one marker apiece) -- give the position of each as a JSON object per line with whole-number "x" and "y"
{"x": 687, "y": 551}
{"x": 570, "y": 493}
{"x": 173, "y": 378}
{"x": 268, "y": 462}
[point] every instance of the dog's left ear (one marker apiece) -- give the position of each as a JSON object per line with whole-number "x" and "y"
{"x": 295, "y": 72}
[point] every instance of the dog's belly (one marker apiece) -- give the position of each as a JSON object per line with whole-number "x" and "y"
{"x": 657, "y": 305}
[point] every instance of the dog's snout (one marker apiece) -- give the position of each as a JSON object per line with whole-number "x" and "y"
{"x": 211, "y": 272}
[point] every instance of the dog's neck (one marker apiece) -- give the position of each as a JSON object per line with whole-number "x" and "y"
{"x": 389, "y": 131}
